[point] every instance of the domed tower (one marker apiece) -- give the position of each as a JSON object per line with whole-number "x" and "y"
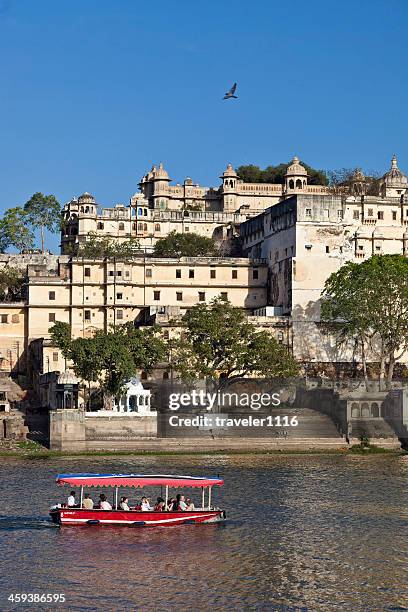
{"x": 154, "y": 187}
{"x": 229, "y": 189}
{"x": 87, "y": 216}
{"x": 394, "y": 183}
{"x": 69, "y": 226}
{"x": 295, "y": 177}
{"x": 87, "y": 204}
{"x": 160, "y": 180}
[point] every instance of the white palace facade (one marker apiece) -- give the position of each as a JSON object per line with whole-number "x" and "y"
{"x": 160, "y": 208}
{"x": 293, "y": 236}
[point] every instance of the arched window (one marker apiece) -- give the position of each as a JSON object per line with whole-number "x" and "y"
{"x": 355, "y": 410}
{"x": 140, "y": 211}
{"x": 365, "y": 410}
{"x": 375, "y": 410}
{"x": 99, "y": 225}
{"x": 140, "y": 226}
{"x": 134, "y": 226}
{"x": 298, "y": 184}
{"x": 121, "y": 227}
{"x": 145, "y": 227}
{"x": 291, "y": 184}
{"x": 86, "y": 209}
{"x": 157, "y": 227}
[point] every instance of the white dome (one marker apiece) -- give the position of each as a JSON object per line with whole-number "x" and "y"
{"x": 394, "y": 177}
{"x": 295, "y": 168}
{"x": 67, "y": 378}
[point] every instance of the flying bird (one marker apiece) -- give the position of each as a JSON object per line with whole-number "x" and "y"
{"x": 230, "y": 93}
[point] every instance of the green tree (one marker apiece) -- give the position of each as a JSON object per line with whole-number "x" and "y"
{"x": 44, "y": 212}
{"x": 12, "y": 282}
{"x": 220, "y": 343}
{"x": 367, "y": 304}
{"x": 15, "y": 231}
{"x": 87, "y": 356}
{"x": 60, "y": 334}
{"x": 185, "y": 245}
{"x": 118, "y": 365}
{"x": 106, "y": 246}
{"x": 276, "y": 174}
{"x": 146, "y": 345}
{"x": 109, "y": 359}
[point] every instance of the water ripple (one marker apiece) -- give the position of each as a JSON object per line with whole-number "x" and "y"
{"x": 305, "y": 533}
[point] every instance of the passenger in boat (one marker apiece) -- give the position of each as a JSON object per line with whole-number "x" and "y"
{"x": 190, "y": 504}
{"x": 160, "y": 506}
{"x": 172, "y": 504}
{"x": 88, "y": 502}
{"x": 124, "y": 503}
{"x": 181, "y": 503}
{"x": 71, "y": 501}
{"x": 103, "y": 502}
{"x": 145, "y": 506}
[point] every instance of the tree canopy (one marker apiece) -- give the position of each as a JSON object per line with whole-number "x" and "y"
{"x": 221, "y": 344}
{"x": 43, "y": 212}
{"x": 106, "y": 246}
{"x": 12, "y": 283}
{"x": 276, "y": 174}
{"x": 15, "y": 230}
{"x": 112, "y": 358}
{"x": 368, "y": 303}
{"x": 185, "y": 245}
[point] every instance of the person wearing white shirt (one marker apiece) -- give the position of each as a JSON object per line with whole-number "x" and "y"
{"x": 145, "y": 505}
{"x": 181, "y": 502}
{"x": 71, "y": 500}
{"x": 124, "y": 504}
{"x": 103, "y": 503}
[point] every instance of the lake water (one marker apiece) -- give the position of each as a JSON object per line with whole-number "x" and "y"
{"x": 303, "y": 533}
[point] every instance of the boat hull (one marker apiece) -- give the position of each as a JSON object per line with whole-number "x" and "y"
{"x": 134, "y": 518}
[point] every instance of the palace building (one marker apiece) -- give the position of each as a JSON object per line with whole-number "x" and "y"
{"x": 160, "y": 208}
{"x": 292, "y": 236}
{"x": 307, "y": 237}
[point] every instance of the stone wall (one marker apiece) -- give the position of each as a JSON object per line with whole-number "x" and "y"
{"x": 13, "y": 427}
{"x": 72, "y": 430}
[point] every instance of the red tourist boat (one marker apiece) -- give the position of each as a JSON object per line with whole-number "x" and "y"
{"x": 78, "y": 515}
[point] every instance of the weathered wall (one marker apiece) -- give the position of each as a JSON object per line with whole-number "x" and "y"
{"x": 72, "y": 430}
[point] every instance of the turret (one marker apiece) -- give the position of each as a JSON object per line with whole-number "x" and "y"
{"x": 295, "y": 177}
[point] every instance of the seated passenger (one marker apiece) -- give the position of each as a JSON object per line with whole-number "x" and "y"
{"x": 190, "y": 504}
{"x": 145, "y": 506}
{"x": 172, "y": 505}
{"x": 159, "y": 507}
{"x": 124, "y": 505}
{"x": 181, "y": 504}
{"x": 103, "y": 502}
{"x": 138, "y": 506}
{"x": 71, "y": 501}
{"x": 87, "y": 503}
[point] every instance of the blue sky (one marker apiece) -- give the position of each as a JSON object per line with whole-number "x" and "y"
{"x": 93, "y": 92}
